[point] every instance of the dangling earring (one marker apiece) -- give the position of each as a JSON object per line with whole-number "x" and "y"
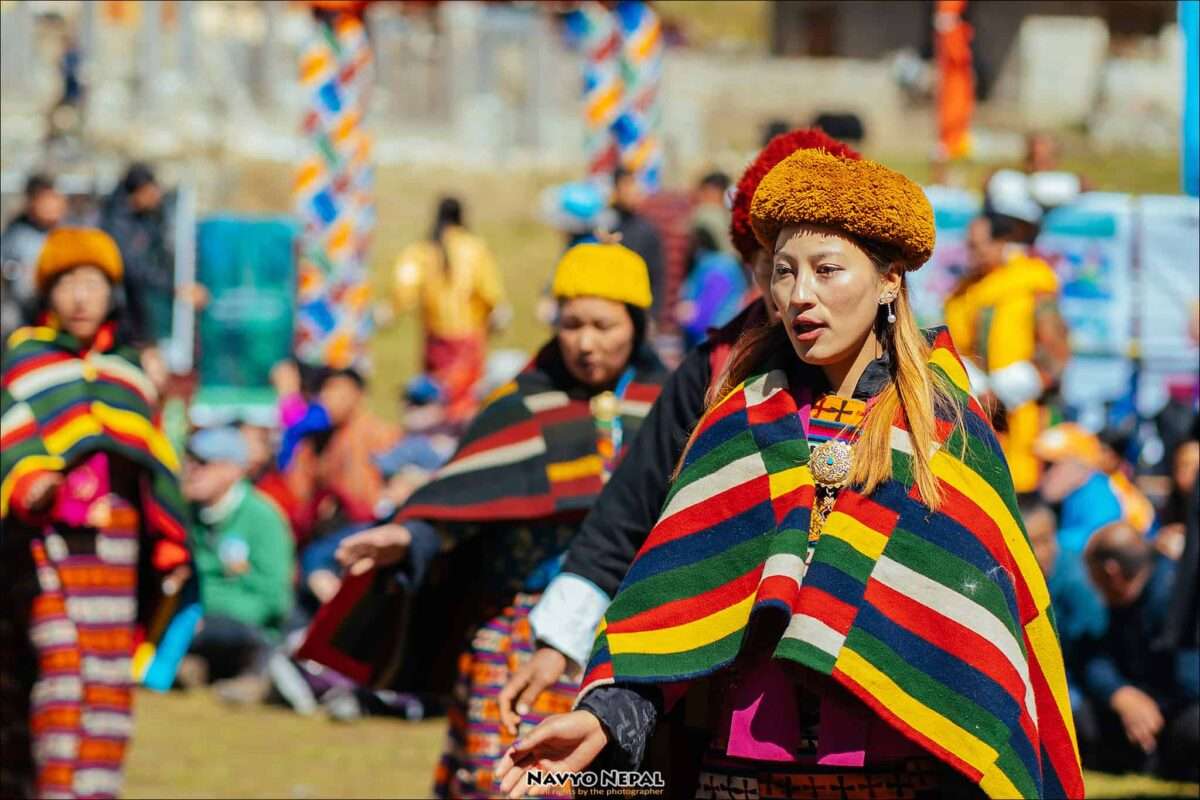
{"x": 891, "y": 315}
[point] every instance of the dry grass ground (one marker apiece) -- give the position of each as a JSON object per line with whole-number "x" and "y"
{"x": 190, "y": 746}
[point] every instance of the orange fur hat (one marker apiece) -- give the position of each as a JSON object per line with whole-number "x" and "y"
{"x": 863, "y": 198}
{"x": 67, "y": 248}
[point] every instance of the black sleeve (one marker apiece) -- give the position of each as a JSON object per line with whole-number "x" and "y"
{"x": 628, "y": 714}
{"x": 628, "y": 507}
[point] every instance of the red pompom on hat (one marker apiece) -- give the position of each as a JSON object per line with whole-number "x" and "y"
{"x": 779, "y": 148}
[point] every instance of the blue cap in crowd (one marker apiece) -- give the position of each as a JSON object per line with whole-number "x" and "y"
{"x": 219, "y": 444}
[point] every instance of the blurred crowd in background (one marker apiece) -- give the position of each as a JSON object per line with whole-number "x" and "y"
{"x": 274, "y": 487}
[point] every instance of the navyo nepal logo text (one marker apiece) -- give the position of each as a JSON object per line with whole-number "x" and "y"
{"x": 604, "y": 779}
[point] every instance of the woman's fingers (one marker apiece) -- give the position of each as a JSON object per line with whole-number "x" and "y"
{"x": 362, "y": 565}
{"x": 509, "y": 718}
{"x": 537, "y": 684}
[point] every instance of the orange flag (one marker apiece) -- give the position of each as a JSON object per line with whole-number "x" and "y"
{"x": 956, "y": 79}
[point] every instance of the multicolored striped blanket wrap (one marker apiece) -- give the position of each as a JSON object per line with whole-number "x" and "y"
{"x": 533, "y": 451}
{"x": 938, "y": 620}
{"x": 58, "y": 405}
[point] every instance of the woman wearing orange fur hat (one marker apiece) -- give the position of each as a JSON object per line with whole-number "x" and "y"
{"x": 839, "y": 568}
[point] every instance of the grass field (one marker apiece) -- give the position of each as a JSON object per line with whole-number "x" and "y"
{"x": 190, "y": 746}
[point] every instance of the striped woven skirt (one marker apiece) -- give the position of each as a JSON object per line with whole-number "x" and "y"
{"x": 476, "y": 741}
{"x": 78, "y": 703}
{"x": 914, "y": 779}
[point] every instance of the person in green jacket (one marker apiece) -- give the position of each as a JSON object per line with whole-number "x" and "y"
{"x": 245, "y": 561}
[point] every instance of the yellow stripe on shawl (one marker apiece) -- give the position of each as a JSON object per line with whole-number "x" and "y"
{"x": 62, "y": 439}
{"x": 22, "y": 468}
{"x": 928, "y": 722}
{"x": 134, "y": 424}
{"x": 579, "y": 468}
{"x": 503, "y": 390}
{"x": 942, "y": 357}
{"x": 867, "y": 541}
{"x": 971, "y": 484}
{"x": 1047, "y": 655}
{"x": 41, "y": 333}
{"x": 688, "y": 636}
{"x": 789, "y": 480}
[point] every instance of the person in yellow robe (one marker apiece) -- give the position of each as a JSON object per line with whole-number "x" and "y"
{"x": 452, "y": 278}
{"x": 1004, "y": 318}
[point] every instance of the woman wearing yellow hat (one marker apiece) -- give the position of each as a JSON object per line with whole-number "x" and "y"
{"x": 840, "y": 568}
{"x": 505, "y": 506}
{"x": 92, "y": 530}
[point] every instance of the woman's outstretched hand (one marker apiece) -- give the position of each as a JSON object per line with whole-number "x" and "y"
{"x": 376, "y": 547}
{"x": 561, "y": 743}
{"x": 536, "y": 675}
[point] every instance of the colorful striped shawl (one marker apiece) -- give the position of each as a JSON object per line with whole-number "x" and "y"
{"x": 939, "y": 621}
{"x": 57, "y": 406}
{"x": 532, "y": 453}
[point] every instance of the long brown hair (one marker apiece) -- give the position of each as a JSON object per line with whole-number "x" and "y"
{"x": 912, "y": 396}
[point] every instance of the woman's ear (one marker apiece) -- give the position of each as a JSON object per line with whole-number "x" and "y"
{"x": 890, "y": 283}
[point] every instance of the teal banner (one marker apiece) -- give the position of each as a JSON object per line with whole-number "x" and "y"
{"x": 248, "y": 267}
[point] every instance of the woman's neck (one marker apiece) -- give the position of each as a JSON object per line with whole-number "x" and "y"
{"x": 843, "y": 376}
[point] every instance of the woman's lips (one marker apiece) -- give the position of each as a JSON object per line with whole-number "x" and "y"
{"x": 808, "y": 330}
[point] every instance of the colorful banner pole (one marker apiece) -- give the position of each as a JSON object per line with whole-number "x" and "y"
{"x": 956, "y": 79}
{"x": 595, "y": 31}
{"x": 638, "y": 129}
{"x": 334, "y": 195}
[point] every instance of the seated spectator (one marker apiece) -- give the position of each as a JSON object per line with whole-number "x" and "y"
{"x": 406, "y": 467}
{"x": 244, "y": 562}
{"x": 1078, "y": 611}
{"x": 266, "y": 477}
{"x": 1073, "y": 480}
{"x": 1185, "y": 465}
{"x": 327, "y": 456}
{"x": 1142, "y": 711}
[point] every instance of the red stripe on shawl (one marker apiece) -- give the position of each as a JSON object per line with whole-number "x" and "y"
{"x": 163, "y": 521}
{"x": 34, "y": 363}
{"x": 578, "y": 487}
{"x": 690, "y": 609}
{"x": 775, "y": 407}
{"x": 1055, "y": 736}
{"x": 642, "y": 392}
{"x": 960, "y": 508}
{"x": 708, "y": 513}
{"x": 529, "y": 429}
{"x": 17, "y": 434}
{"x": 80, "y": 408}
{"x": 907, "y": 730}
{"x": 601, "y": 672}
{"x": 961, "y": 642}
{"x": 779, "y": 588}
{"x": 878, "y": 518}
{"x": 572, "y": 411}
{"x": 727, "y": 408}
{"x": 821, "y": 605}
{"x": 800, "y": 497}
{"x": 526, "y": 507}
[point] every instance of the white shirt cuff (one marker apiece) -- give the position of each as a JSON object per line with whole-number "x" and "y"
{"x": 566, "y": 617}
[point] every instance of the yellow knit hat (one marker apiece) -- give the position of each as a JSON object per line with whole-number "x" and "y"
{"x": 611, "y": 271}
{"x": 862, "y": 198}
{"x": 1068, "y": 440}
{"x": 67, "y": 248}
